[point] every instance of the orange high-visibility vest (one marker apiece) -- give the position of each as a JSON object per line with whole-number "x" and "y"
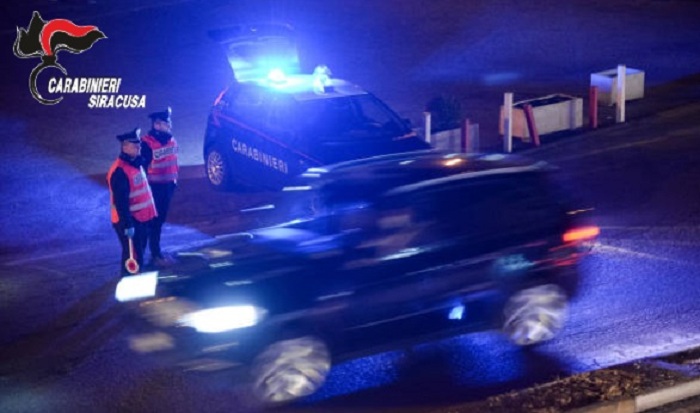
{"x": 141, "y": 203}
{"x": 163, "y": 167}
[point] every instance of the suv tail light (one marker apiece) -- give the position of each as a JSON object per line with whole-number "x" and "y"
{"x": 581, "y": 234}
{"x": 578, "y": 241}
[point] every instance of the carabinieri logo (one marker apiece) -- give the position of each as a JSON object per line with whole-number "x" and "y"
{"x": 45, "y": 39}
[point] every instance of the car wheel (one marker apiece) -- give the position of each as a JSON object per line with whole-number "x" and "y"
{"x": 290, "y": 369}
{"x": 535, "y": 314}
{"x": 218, "y": 169}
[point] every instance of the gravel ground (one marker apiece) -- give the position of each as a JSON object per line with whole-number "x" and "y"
{"x": 612, "y": 384}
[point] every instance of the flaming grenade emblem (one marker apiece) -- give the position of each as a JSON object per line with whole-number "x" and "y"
{"x": 45, "y": 39}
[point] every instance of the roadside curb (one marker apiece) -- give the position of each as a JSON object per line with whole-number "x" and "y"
{"x": 646, "y": 401}
{"x": 639, "y": 386}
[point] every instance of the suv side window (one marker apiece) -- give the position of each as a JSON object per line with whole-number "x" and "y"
{"x": 282, "y": 121}
{"x": 281, "y": 114}
{"x": 493, "y": 207}
{"x": 247, "y": 104}
{"x": 374, "y": 112}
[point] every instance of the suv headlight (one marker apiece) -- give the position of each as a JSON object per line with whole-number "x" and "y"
{"x": 220, "y": 319}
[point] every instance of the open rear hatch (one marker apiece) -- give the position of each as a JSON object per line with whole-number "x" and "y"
{"x": 254, "y": 50}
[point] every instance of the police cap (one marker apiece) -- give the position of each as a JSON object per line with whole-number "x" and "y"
{"x": 133, "y": 136}
{"x": 163, "y": 115}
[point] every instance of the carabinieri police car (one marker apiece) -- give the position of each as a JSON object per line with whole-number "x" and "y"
{"x": 273, "y": 123}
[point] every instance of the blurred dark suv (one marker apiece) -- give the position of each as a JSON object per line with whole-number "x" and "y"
{"x": 368, "y": 255}
{"x": 273, "y": 122}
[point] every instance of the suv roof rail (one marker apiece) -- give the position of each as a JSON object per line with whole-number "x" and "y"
{"x": 381, "y": 158}
{"x": 539, "y": 166}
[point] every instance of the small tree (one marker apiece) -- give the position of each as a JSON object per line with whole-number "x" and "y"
{"x": 445, "y": 113}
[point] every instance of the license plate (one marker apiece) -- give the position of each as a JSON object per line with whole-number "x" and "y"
{"x": 136, "y": 287}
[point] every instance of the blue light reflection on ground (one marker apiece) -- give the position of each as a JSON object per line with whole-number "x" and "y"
{"x": 493, "y": 359}
{"x": 470, "y": 362}
{"x": 361, "y": 374}
{"x": 74, "y": 206}
{"x": 30, "y": 398}
{"x": 58, "y": 181}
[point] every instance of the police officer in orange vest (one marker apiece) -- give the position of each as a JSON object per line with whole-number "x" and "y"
{"x": 132, "y": 204}
{"x": 159, "y": 149}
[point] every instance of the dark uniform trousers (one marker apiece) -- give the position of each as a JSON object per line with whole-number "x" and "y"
{"x": 162, "y": 194}
{"x": 139, "y": 240}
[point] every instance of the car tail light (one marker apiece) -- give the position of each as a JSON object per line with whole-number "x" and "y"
{"x": 581, "y": 234}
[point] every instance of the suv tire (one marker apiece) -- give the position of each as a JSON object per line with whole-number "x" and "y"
{"x": 288, "y": 370}
{"x": 535, "y": 314}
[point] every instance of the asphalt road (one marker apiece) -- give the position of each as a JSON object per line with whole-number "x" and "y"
{"x": 62, "y": 343}
{"x": 64, "y": 348}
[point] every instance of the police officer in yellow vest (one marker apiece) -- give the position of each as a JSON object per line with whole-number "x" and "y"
{"x": 132, "y": 204}
{"x": 159, "y": 150}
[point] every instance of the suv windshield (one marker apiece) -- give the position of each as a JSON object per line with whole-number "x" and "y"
{"x": 347, "y": 118}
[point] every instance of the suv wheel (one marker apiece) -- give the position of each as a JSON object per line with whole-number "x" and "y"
{"x": 535, "y": 314}
{"x": 218, "y": 169}
{"x": 290, "y": 369}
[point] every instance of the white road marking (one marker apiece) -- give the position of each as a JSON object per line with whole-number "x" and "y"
{"x": 658, "y": 345}
{"x": 649, "y": 227}
{"x": 625, "y": 251}
{"x": 60, "y": 254}
{"x": 609, "y": 149}
{"x": 171, "y": 234}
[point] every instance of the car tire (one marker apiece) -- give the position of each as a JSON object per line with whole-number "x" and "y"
{"x": 535, "y": 315}
{"x": 218, "y": 169}
{"x": 288, "y": 370}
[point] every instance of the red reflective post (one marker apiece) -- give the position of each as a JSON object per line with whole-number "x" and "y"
{"x": 531, "y": 127}
{"x": 593, "y": 107}
{"x": 465, "y": 136}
